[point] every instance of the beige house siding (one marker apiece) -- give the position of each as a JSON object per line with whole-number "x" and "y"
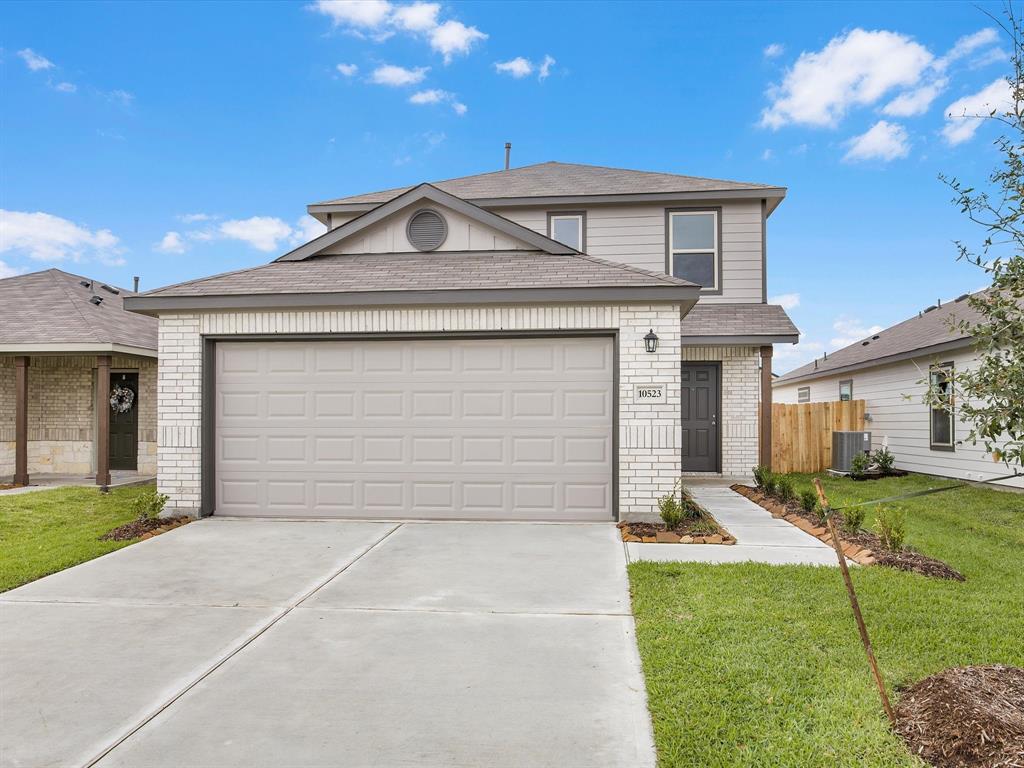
{"x": 648, "y": 433}
{"x": 635, "y": 235}
{"x": 61, "y": 420}
{"x": 903, "y": 422}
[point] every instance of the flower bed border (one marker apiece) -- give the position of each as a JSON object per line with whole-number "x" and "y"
{"x": 670, "y": 537}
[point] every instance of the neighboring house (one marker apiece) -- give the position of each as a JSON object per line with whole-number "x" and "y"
{"x": 549, "y": 342}
{"x": 889, "y": 371}
{"x": 66, "y": 342}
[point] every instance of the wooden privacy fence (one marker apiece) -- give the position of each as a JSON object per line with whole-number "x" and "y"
{"x": 802, "y": 434}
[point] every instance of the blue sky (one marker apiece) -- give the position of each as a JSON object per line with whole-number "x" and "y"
{"x": 176, "y": 140}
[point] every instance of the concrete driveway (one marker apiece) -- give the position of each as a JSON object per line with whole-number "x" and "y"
{"x": 294, "y": 643}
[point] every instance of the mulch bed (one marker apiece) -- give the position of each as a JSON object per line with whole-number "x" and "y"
{"x": 8, "y": 486}
{"x": 703, "y": 530}
{"x": 879, "y": 475}
{"x": 863, "y": 547}
{"x": 144, "y": 528}
{"x": 968, "y": 717}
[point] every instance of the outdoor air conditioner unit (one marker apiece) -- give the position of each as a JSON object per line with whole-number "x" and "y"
{"x": 846, "y": 445}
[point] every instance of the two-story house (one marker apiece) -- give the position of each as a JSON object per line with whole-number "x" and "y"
{"x": 554, "y": 342}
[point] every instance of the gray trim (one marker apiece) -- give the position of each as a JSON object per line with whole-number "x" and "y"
{"x": 800, "y": 391}
{"x": 764, "y": 251}
{"x": 773, "y": 194}
{"x": 746, "y": 341}
{"x": 652, "y": 293}
{"x": 719, "y": 256}
{"x": 207, "y": 504}
{"x": 845, "y": 381}
{"x": 435, "y": 195}
{"x": 583, "y": 226}
{"x": 934, "y": 349}
{"x": 932, "y": 446}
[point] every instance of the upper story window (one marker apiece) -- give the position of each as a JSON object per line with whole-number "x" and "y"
{"x": 693, "y": 248}
{"x": 941, "y": 413}
{"x": 803, "y": 395}
{"x": 846, "y": 389}
{"x": 568, "y": 228}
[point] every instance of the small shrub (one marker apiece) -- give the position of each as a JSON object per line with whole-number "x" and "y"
{"x": 884, "y": 460}
{"x": 853, "y": 519}
{"x": 771, "y": 484}
{"x": 671, "y": 510}
{"x": 703, "y": 527}
{"x": 808, "y": 500}
{"x": 149, "y": 504}
{"x": 761, "y": 475}
{"x": 859, "y": 465}
{"x": 784, "y": 489}
{"x": 892, "y": 527}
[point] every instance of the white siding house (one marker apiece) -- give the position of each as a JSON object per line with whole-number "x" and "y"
{"x": 889, "y": 372}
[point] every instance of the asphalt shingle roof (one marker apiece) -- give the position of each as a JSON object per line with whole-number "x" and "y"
{"x": 438, "y": 270}
{"x": 919, "y": 332}
{"x": 707, "y": 319}
{"x": 53, "y": 307}
{"x": 560, "y": 179}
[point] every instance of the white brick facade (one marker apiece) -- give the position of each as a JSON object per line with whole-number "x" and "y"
{"x": 740, "y": 398}
{"x": 649, "y": 458}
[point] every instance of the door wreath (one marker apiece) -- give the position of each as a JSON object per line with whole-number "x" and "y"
{"x": 121, "y": 399}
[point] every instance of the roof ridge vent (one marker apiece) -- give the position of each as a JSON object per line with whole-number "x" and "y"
{"x": 106, "y": 287}
{"x": 85, "y": 283}
{"x": 930, "y": 309}
{"x": 97, "y": 300}
{"x": 961, "y": 297}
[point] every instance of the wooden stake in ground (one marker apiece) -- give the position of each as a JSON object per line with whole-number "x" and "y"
{"x": 837, "y": 545}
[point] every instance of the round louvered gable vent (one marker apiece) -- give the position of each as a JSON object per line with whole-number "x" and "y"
{"x": 426, "y": 230}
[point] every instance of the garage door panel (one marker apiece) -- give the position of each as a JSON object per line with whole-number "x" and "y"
{"x": 501, "y": 429}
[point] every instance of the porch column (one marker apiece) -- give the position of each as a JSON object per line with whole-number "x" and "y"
{"x": 765, "y": 430}
{"x": 102, "y": 421}
{"x": 21, "y": 420}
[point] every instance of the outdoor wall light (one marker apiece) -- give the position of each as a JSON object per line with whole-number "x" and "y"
{"x": 651, "y": 341}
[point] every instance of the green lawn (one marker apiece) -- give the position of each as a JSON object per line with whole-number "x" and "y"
{"x": 757, "y": 665}
{"x": 46, "y": 531}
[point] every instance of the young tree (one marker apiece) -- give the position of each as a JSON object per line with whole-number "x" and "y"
{"x": 990, "y": 395}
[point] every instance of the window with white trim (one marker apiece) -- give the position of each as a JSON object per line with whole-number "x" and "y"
{"x": 803, "y": 395}
{"x": 567, "y": 229}
{"x": 846, "y": 389}
{"x": 693, "y": 247}
{"x": 940, "y": 413}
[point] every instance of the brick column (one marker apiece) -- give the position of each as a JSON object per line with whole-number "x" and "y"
{"x": 103, "y": 421}
{"x": 21, "y": 364}
{"x": 765, "y": 427}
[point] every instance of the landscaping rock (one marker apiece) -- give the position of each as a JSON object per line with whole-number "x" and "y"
{"x": 649, "y": 539}
{"x": 667, "y": 537}
{"x": 631, "y": 537}
{"x": 686, "y": 540}
{"x": 714, "y": 539}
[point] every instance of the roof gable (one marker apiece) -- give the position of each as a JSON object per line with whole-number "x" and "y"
{"x": 422, "y": 195}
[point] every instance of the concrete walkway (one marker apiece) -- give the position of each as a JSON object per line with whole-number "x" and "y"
{"x": 246, "y": 643}
{"x": 119, "y": 478}
{"x": 760, "y": 538}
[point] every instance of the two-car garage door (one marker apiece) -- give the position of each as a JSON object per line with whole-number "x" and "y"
{"x": 513, "y": 428}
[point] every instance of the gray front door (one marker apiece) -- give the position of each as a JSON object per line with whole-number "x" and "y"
{"x": 700, "y": 417}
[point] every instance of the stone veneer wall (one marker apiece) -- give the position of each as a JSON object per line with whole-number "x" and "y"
{"x": 61, "y": 418}
{"x": 741, "y": 377}
{"x": 649, "y": 460}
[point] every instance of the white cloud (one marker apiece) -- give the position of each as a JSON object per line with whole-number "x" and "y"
{"x": 967, "y": 45}
{"x": 545, "y": 67}
{"x": 307, "y": 228}
{"x": 65, "y": 87}
{"x": 991, "y": 56}
{"x": 6, "y": 270}
{"x": 790, "y": 356}
{"x": 34, "y": 61}
{"x": 454, "y": 37}
{"x": 348, "y": 70}
{"x": 855, "y": 69}
{"x": 774, "y": 50}
{"x": 171, "y": 243}
{"x": 517, "y": 67}
{"x": 393, "y": 75}
{"x": 431, "y": 96}
{"x": 364, "y": 14}
{"x": 261, "y": 232}
{"x": 418, "y": 17}
{"x": 459, "y": 108}
{"x": 191, "y": 218}
{"x": 123, "y": 98}
{"x": 917, "y": 101}
{"x": 964, "y": 116}
{"x": 45, "y": 237}
{"x": 786, "y": 300}
{"x": 851, "y": 330}
{"x": 380, "y": 19}
{"x": 768, "y": 154}
{"x": 882, "y": 141}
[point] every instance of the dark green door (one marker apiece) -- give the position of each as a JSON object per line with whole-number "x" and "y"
{"x": 124, "y": 421}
